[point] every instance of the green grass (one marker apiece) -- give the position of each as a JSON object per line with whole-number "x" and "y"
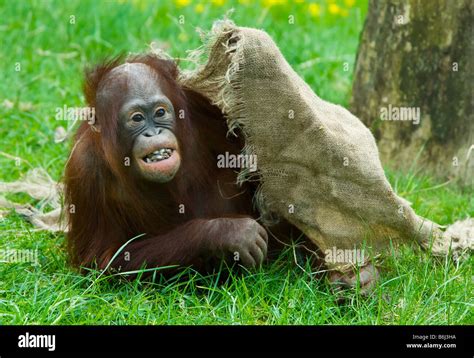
{"x": 415, "y": 288}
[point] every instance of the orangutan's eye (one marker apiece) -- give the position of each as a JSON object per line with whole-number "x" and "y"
{"x": 160, "y": 112}
{"x": 137, "y": 117}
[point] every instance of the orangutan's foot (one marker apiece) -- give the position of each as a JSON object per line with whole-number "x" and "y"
{"x": 365, "y": 277}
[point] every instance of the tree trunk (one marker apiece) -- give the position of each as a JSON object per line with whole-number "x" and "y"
{"x": 413, "y": 84}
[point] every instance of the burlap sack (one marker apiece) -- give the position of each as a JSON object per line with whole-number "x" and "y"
{"x": 318, "y": 164}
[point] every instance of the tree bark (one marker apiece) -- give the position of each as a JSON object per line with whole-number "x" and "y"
{"x": 419, "y": 55}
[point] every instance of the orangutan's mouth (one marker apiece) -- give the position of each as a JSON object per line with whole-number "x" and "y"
{"x": 158, "y": 155}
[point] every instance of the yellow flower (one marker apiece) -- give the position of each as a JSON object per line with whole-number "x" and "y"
{"x": 314, "y": 9}
{"x": 199, "y": 8}
{"x": 334, "y": 9}
{"x": 269, "y": 3}
{"x": 182, "y": 3}
{"x": 218, "y": 2}
{"x": 349, "y": 3}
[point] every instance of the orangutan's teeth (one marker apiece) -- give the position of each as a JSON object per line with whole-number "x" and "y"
{"x": 163, "y": 151}
{"x": 158, "y": 155}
